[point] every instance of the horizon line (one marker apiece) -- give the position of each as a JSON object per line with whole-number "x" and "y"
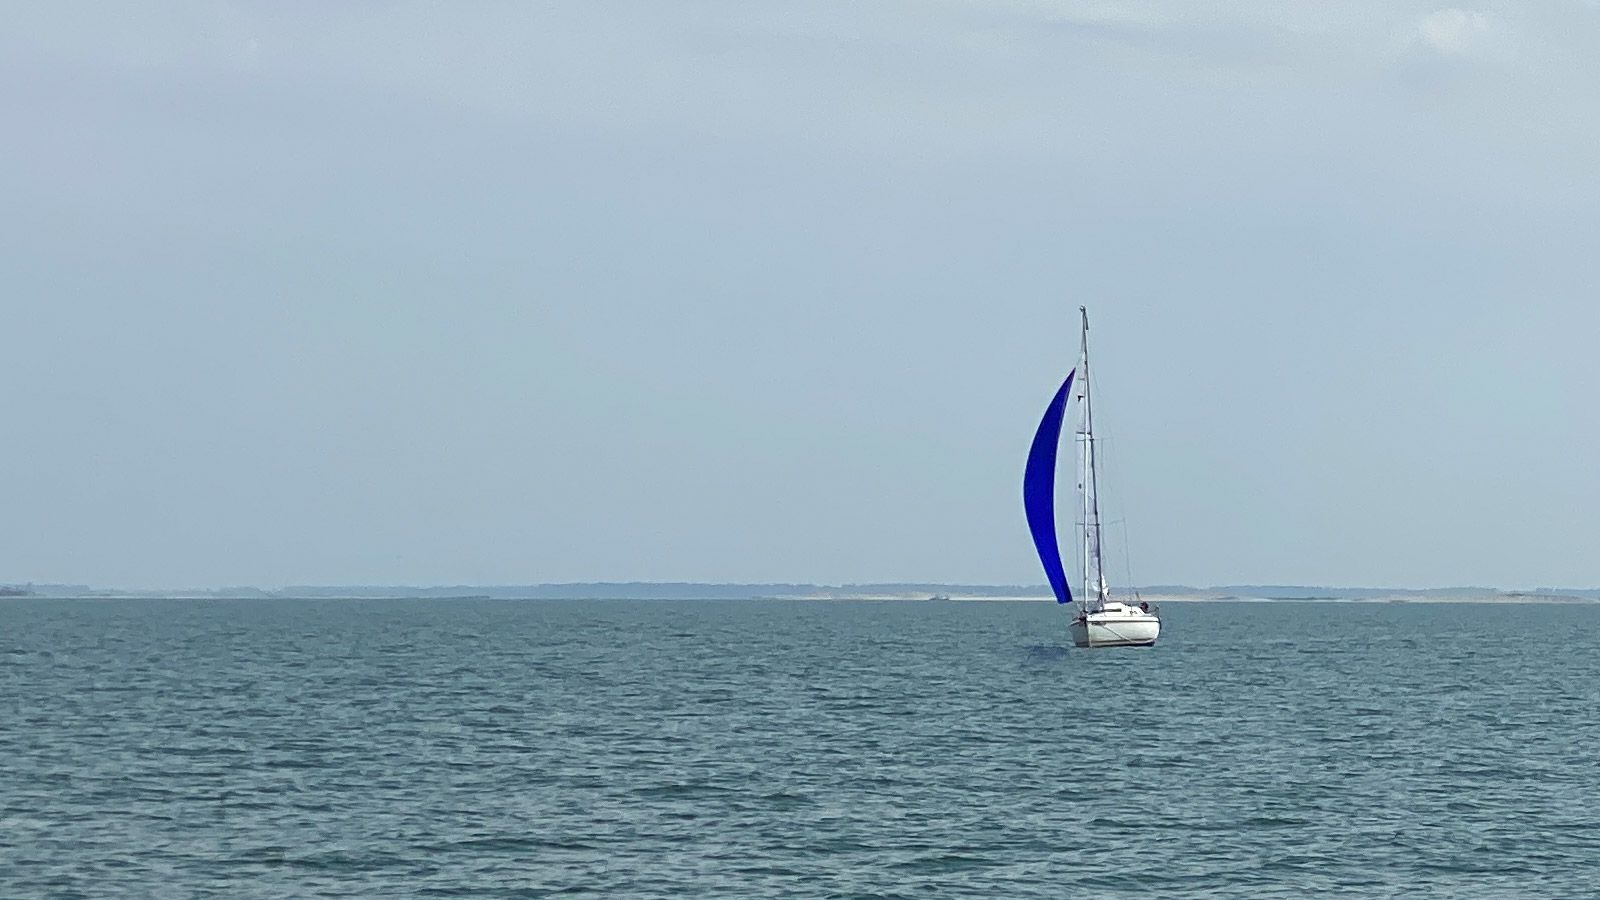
{"x": 60, "y": 588}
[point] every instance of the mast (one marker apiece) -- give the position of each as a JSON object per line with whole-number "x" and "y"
{"x": 1094, "y": 581}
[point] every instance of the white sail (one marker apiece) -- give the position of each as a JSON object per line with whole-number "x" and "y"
{"x": 1095, "y": 590}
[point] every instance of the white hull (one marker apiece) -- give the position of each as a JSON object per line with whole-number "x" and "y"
{"x": 1116, "y": 626}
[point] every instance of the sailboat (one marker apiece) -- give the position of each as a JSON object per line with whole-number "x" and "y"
{"x": 1098, "y": 621}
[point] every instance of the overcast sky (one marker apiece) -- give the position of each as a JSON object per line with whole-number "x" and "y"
{"x": 505, "y": 293}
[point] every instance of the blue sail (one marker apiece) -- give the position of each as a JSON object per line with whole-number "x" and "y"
{"x": 1039, "y": 490}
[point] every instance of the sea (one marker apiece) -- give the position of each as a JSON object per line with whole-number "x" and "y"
{"x": 793, "y": 748}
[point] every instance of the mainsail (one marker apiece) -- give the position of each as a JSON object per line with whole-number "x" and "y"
{"x": 1039, "y": 491}
{"x": 1094, "y": 570}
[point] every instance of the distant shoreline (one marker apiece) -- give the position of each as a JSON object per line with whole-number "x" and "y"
{"x": 907, "y": 592}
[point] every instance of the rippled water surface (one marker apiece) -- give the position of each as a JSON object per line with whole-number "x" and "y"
{"x": 794, "y": 749}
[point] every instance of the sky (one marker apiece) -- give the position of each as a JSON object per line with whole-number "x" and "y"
{"x": 498, "y": 293}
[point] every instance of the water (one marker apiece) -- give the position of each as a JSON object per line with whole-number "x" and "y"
{"x": 794, "y": 749}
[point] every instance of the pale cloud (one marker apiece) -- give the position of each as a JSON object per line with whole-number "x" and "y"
{"x": 1453, "y": 32}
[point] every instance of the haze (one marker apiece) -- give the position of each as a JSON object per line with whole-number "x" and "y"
{"x": 505, "y": 293}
